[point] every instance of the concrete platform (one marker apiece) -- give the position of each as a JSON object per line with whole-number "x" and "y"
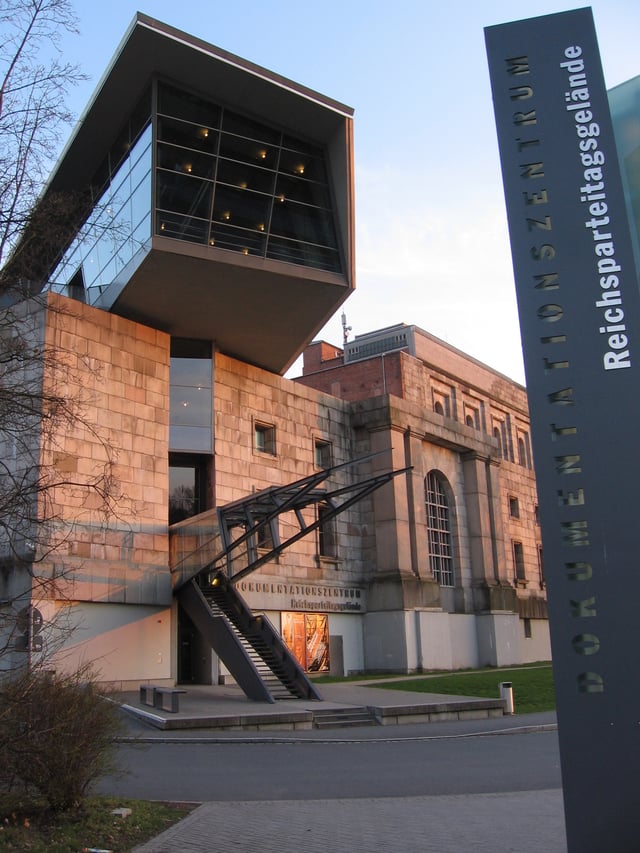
{"x": 226, "y": 708}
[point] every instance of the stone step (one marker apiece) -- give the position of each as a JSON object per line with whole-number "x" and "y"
{"x": 339, "y": 718}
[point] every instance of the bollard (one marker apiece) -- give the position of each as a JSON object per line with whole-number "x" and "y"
{"x": 506, "y": 693}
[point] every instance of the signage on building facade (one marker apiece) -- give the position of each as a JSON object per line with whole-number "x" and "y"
{"x": 579, "y": 308}
{"x": 277, "y": 594}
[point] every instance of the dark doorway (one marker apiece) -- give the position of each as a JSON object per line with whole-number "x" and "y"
{"x": 194, "y": 654}
{"x": 187, "y": 478}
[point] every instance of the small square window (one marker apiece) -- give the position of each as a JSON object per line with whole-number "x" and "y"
{"x": 323, "y": 453}
{"x": 514, "y": 508}
{"x": 265, "y": 438}
{"x": 264, "y": 538}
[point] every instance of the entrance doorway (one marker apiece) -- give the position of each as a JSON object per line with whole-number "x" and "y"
{"x": 194, "y": 654}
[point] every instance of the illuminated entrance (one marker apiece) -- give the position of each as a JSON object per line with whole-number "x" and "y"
{"x": 307, "y": 636}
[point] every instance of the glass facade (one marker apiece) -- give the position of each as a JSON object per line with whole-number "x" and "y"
{"x": 119, "y": 225}
{"x": 624, "y": 101}
{"x": 191, "y": 404}
{"x": 228, "y": 181}
{"x": 221, "y": 180}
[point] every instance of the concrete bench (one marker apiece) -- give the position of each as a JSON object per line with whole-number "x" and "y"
{"x": 165, "y": 698}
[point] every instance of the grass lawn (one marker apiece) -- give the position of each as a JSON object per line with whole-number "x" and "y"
{"x": 532, "y": 686}
{"x": 25, "y": 826}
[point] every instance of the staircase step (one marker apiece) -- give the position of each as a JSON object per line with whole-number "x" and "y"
{"x": 338, "y": 718}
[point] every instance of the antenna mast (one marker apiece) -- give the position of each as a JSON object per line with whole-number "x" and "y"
{"x": 345, "y": 329}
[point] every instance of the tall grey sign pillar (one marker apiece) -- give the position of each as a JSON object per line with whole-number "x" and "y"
{"x": 579, "y": 309}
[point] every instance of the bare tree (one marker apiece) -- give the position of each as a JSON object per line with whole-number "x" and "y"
{"x": 41, "y": 383}
{"x": 33, "y": 109}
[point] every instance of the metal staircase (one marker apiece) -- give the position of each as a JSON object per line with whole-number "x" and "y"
{"x": 212, "y": 553}
{"x": 249, "y": 645}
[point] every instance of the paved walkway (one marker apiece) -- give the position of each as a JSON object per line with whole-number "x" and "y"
{"x": 517, "y": 822}
{"x": 529, "y": 822}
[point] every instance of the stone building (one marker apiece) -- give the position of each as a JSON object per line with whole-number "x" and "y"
{"x": 217, "y": 242}
{"x": 459, "y": 577}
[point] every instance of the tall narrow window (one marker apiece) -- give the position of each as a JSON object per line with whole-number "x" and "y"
{"x": 505, "y": 441}
{"x": 498, "y": 438}
{"x": 518, "y": 560}
{"x": 514, "y": 507}
{"x": 541, "y": 567}
{"x": 524, "y": 451}
{"x": 326, "y": 533}
{"x": 191, "y": 397}
{"x": 438, "y": 530}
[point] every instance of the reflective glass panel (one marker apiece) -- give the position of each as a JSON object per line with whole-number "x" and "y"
{"x": 245, "y": 176}
{"x": 192, "y": 439}
{"x": 105, "y": 244}
{"x": 193, "y": 372}
{"x": 195, "y": 137}
{"x": 184, "y": 161}
{"x": 251, "y": 151}
{"x": 182, "y": 227}
{"x": 237, "y": 240}
{"x": 175, "y": 102}
{"x": 243, "y": 126}
{"x": 241, "y": 208}
{"x": 303, "y": 222}
{"x": 191, "y": 404}
{"x": 183, "y": 194}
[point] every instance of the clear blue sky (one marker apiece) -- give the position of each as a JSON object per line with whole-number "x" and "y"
{"x": 431, "y": 235}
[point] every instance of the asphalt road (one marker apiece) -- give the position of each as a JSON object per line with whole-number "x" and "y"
{"x": 319, "y": 769}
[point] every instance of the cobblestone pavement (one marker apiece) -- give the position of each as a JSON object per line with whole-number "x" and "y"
{"x": 524, "y": 822}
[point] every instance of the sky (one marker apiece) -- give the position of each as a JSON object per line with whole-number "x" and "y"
{"x": 432, "y": 248}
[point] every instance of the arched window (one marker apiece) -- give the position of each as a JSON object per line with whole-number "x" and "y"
{"x": 438, "y": 530}
{"x": 524, "y": 450}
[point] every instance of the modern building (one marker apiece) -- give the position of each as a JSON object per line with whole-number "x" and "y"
{"x": 378, "y": 514}
{"x": 624, "y": 102}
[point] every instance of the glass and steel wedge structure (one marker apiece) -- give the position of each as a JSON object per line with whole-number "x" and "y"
{"x": 624, "y": 101}
{"x": 221, "y": 199}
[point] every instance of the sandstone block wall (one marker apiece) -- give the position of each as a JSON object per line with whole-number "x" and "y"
{"x": 106, "y": 506}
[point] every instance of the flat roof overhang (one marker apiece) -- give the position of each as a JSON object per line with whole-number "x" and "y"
{"x": 151, "y": 48}
{"x": 261, "y": 311}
